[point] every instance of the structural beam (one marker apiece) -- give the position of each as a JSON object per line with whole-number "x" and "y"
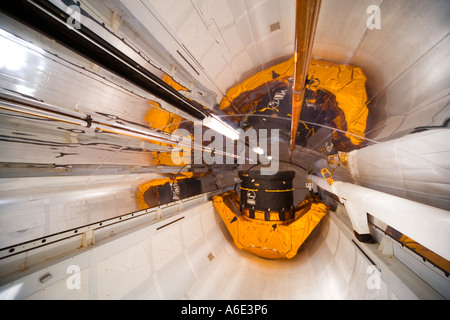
{"x": 307, "y": 13}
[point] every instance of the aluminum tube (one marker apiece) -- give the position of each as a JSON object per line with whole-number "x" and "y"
{"x": 425, "y": 224}
{"x": 105, "y": 125}
{"x": 163, "y": 136}
{"x": 36, "y": 104}
{"x": 10, "y": 106}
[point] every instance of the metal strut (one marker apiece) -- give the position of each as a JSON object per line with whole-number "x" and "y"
{"x": 307, "y": 13}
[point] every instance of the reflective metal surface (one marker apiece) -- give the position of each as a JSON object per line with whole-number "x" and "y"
{"x": 56, "y": 175}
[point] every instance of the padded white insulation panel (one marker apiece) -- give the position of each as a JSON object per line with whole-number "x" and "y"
{"x": 194, "y": 258}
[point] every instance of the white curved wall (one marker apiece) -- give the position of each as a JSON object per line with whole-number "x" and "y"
{"x": 190, "y": 255}
{"x": 173, "y": 263}
{"x": 413, "y": 167}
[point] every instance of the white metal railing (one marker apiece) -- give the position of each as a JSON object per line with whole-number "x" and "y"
{"x": 425, "y": 224}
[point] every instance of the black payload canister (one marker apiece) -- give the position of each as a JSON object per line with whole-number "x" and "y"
{"x": 267, "y": 193}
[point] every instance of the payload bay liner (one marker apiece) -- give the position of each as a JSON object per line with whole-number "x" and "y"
{"x": 263, "y": 219}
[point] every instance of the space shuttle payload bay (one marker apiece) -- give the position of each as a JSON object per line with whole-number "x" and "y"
{"x": 93, "y": 204}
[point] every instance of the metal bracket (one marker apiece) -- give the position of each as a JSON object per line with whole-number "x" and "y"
{"x": 338, "y": 159}
{"x": 88, "y": 238}
{"x": 327, "y": 176}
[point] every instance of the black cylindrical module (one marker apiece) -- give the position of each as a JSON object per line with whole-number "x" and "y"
{"x": 268, "y": 193}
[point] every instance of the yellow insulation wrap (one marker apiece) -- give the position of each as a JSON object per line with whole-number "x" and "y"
{"x": 158, "y": 182}
{"x": 160, "y": 119}
{"x": 347, "y": 83}
{"x": 282, "y": 70}
{"x": 169, "y": 80}
{"x": 144, "y": 187}
{"x": 269, "y": 239}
